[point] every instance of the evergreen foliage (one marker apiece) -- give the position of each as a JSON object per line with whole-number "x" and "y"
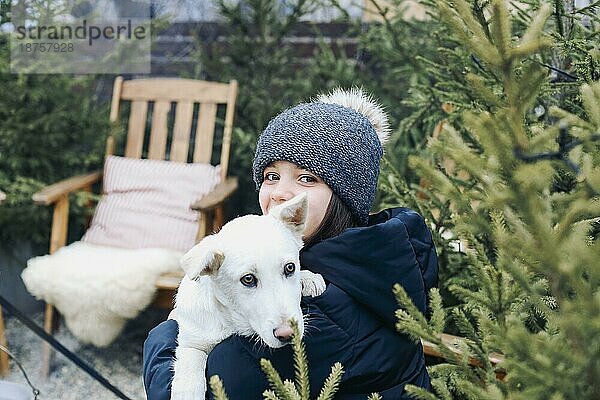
{"x": 416, "y": 77}
{"x": 397, "y": 51}
{"x": 286, "y": 389}
{"x": 453, "y": 73}
{"x": 444, "y": 80}
{"x": 216, "y": 385}
{"x": 533, "y": 296}
{"x": 51, "y": 128}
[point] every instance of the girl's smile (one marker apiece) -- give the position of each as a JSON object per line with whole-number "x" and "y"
{"x": 284, "y": 180}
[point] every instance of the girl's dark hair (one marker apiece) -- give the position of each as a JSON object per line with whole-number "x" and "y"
{"x": 338, "y": 218}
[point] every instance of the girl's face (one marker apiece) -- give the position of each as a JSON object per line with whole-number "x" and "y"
{"x": 284, "y": 180}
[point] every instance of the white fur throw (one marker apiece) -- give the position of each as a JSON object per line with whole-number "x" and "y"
{"x": 98, "y": 288}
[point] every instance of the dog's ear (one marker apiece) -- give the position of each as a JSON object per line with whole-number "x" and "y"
{"x": 202, "y": 259}
{"x": 293, "y": 213}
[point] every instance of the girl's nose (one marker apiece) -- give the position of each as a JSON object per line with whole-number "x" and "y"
{"x": 282, "y": 192}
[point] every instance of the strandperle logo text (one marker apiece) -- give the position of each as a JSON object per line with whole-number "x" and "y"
{"x": 82, "y": 31}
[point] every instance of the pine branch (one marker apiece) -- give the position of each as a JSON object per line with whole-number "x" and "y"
{"x": 562, "y": 154}
{"x": 438, "y": 315}
{"x": 300, "y": 363}
{"x": 292, "y": 391}
{"x": 572, "y": 77}
{"x": 275, "y": 380}
{"x": 331, "y": 385}
{"x": 216, "y": 385}
{"x": 501, "y": 32}
{"x": 270, "y": 395}
{"x": 419, "y": 393}
{"x": 287, "y": 390}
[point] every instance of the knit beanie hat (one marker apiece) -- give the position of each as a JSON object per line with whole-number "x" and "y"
{"x": 339, "y": 137}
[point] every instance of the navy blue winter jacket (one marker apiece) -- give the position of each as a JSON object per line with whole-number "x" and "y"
{"x": 352, "y": 322}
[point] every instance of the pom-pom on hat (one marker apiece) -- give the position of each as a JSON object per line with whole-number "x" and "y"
{"x": 339, "y": 137}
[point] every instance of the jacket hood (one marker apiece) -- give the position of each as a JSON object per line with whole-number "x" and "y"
{"x": 395, "y": 247}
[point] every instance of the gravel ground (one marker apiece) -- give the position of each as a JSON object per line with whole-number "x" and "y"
{"x": 120, "y": 363}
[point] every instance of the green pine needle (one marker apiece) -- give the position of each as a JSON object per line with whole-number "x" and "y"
{"x": 291, "y": 390}
{"x": 300, "y": 362}
{"x": 287, "y": 390}
{"x": 270, "y": 395}
{"x": 438, "y": 315}
{"x": 332, "y": 382}
{"x": 419, "y": 393}
{"x": 274, "y": 379}
{"x": 216, "y": 385}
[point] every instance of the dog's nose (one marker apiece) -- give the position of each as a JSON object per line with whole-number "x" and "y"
{"x": 283, "y": 334}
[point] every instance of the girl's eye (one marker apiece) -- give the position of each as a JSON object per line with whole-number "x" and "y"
{"x": 249, "y": 280}
{"x": 271, "y": 176}
{"x": 308, "y": 179}
{"x": 289, "y": 269}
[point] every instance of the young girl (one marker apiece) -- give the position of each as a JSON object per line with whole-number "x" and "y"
{"x": 330, "y": 149}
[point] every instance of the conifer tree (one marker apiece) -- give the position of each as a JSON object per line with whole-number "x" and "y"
{"x": 532, "y": 248}
{"x": 51, "y": 128}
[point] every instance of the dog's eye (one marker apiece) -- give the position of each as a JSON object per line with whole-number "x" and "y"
{"x": 248, "y": 280}
{"x": 288, "y": 269}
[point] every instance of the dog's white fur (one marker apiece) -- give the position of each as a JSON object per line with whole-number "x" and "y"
{"x": 212, "y": 303}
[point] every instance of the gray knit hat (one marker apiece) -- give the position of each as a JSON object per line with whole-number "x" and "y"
{"x": 339, "y": 137}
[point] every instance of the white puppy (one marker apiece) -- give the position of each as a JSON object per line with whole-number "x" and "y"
{"x": 244, "y": 280}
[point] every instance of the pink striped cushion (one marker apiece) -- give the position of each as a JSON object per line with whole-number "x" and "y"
{"x": 146, "y": 203}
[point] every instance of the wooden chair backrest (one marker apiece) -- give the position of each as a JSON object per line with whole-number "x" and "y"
{"x": 185, "y": 93}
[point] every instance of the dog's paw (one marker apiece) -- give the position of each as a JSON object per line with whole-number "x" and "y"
{"x": 312, "y": 284}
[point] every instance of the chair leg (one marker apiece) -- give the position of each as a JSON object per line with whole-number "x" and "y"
{"x": 58, "y": 238}
{"x": 219, "y": 217}
{"x": 203, "y": 225}
{"x": 46, "y": 350}
{"x": 4, "y": 367}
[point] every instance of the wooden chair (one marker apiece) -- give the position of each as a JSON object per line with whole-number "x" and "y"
{"x": 4, "y": 368}
{"x": 163, "y": 92}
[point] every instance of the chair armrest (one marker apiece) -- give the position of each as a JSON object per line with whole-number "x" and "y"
{"x": 170, "y": 280}
{"x": 51, "y": 193}
{"x": 215, "y": 197}
{"x": 2, "y": 196}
